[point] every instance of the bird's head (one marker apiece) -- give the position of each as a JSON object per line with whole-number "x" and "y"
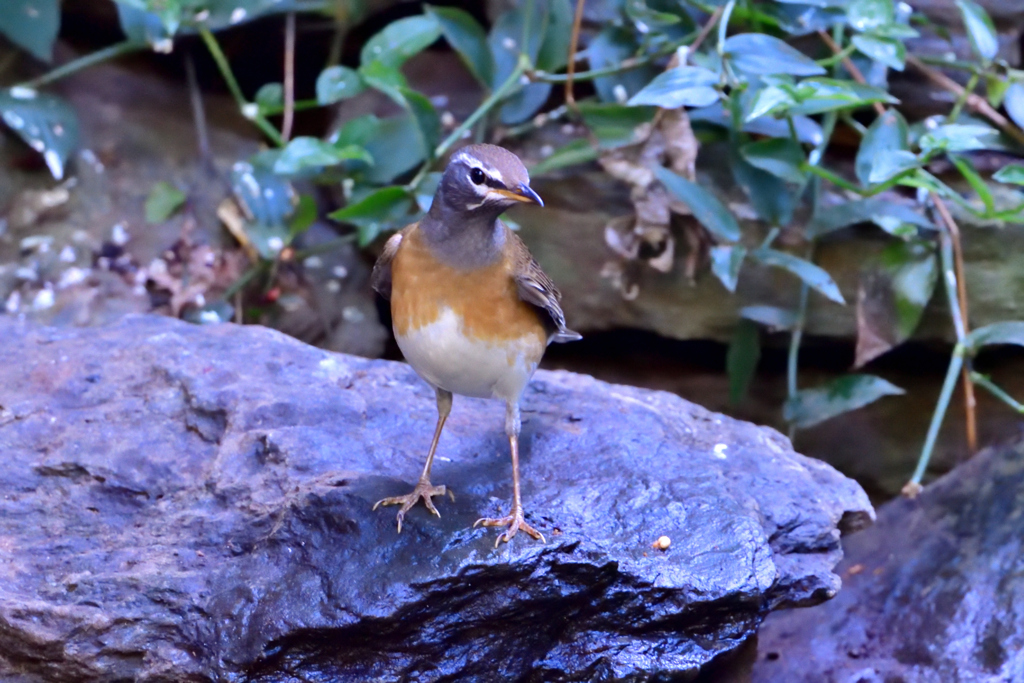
{"x": 484, "y": 180}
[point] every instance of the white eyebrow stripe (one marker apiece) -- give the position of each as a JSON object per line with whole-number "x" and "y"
{"x": 465, "y": 158}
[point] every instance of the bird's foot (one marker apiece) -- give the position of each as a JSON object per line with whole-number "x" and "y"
{"x": 424, "y": 491}
{"x": 515, "y": 523}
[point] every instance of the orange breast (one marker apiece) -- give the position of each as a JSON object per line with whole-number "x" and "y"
{"x": 485, "y": 299}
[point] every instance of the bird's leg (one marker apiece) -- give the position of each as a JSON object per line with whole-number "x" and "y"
{"x": 515, "y": 520}
{"x": 424, "y": 490}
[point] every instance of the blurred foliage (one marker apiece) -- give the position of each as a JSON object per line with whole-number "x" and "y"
{"x": 774, "y": 104}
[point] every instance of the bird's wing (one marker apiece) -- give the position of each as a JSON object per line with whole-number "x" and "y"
{"x": 380, "y": 278}
{"x": 537, "y": 289}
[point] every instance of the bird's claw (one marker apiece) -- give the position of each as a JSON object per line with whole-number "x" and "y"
{"x": 515, "y": 523}
{"x": 424, "y": 491}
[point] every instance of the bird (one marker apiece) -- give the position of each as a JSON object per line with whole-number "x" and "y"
{"x": 471, "y": 309}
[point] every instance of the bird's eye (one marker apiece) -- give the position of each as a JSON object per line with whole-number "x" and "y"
{"x": 477, "y": 176}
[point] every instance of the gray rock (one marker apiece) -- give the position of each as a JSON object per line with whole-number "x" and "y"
{"x": 193, "y": 503}
{"x": 932, "y": 593}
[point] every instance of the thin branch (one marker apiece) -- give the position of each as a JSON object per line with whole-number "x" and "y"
{"x": 975, "y": 102}
{"x": 996, "y": 391}
{"x": 848, "y": 65}
{"x": 248, "y": 109}
{"x": 964, "y": 327}
{"x": 705, "y": 30}
{"x": 115, "y": 50}
{"x": 198, "y": 113}
{"x": 289, "y": 76}
{"x": 574, "y": 39}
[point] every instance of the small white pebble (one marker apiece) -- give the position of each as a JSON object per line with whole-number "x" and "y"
{"x": 339, "y": 272}
{"x": 547, "y": 150}
{"x": 43, "y": 299}
{"x": 13, "y": 302}
{"x": 275, "y": 244}
{"x": 118, "y": 235}
{"x": 67, "y": 254}
{"x": 71, "y": 277}
{"x": 509, "y": 44}
{"x": 662, "y": 543}
{"x": 620, "y": 94}
{"x": 333, "y": 286}
{"x": 719, "y": 450}
{"x": 351, "y": 314}
{"x": 313, "y": 262}
{"x": 448, "y": 119}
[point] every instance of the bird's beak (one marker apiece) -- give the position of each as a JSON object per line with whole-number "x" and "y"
{"x": 522, "y": 194}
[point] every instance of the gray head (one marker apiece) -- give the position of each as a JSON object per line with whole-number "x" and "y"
{"x": 481, "y": 182}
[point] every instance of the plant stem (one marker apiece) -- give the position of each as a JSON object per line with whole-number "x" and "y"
{"x": 499, "y": 94}
{"x": 115, "y": 50}
{"x": 955, "y": 363}
{"x": 577, "y": 22}
{"x": 979, "y": 104}
{"x": 229, "y": 77}
{"x": 983, "y": 381}
{"x": 961, "y": 100}
{"x": 289, "y": 76}
{"x": 957, "y": 291}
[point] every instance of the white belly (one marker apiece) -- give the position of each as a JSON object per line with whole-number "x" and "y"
{"x": 442, "y": 355}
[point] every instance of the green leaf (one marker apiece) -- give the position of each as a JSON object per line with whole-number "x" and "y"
{"x": 270, "y": 96}
{"x": 976, "y": 182}
{"x": 576, "y": 152}
{"x": 305, "y": 154}
{"x": 1011, "y": 173}
{"x": 741, "y": 359}
{"x": 979, "y": 29}
{"x": 758, "y": 53}
{"x": 357, "y": 131}
{"x": 45, "y": 122}
{"x": 267, "y": 198}
{"x": 768, "y": 99}
{"x": 891, "y": 163}
{"x": 31, "y": 25}
{"x": 554, "y": 49}
{"x": 400, "y": 40}
{"x": 807, "y": 130}
{"x": 609, "y": 48}
{"x": 957, "y": 137}
{"x": 376, "y": 212}
{"x": 615, "y": 125}
{"x": 888, "y": 51}
{"x": 850, "y": 392}
{"x": 779, "y": 156}
{"x": 336, "y": 83}
{"x": 138, "y": 24}
{"x": 814, "y": 276}
{"x": 683, "y": 86}
{"x": 505, "y": 43}
{"x": 820, "y": 95}
{"x": 865, "y": 15}
{"x": 163, "y": 200}
{"x": 465, "y": 35}
{"x": 887, "y": 214}
{"x": 772, "y": 317}
{"x": 303, "y": 218}
{"x": 769, "y": 196}
{"x": 914, "y": 270}
{"x": 726, "y": 262}
{"x": 887, "y": 133}
{"x": 1007, "y": 332}
{"x": 396, "y": 146}
{"x": 1014, "y": 102}
{"x": 390, "y": 82}
{"x": 706, "y": 208}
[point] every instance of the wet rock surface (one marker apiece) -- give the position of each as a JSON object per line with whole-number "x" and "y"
{"x": 194, "y": 503}
{"x": 931, "y": 593}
